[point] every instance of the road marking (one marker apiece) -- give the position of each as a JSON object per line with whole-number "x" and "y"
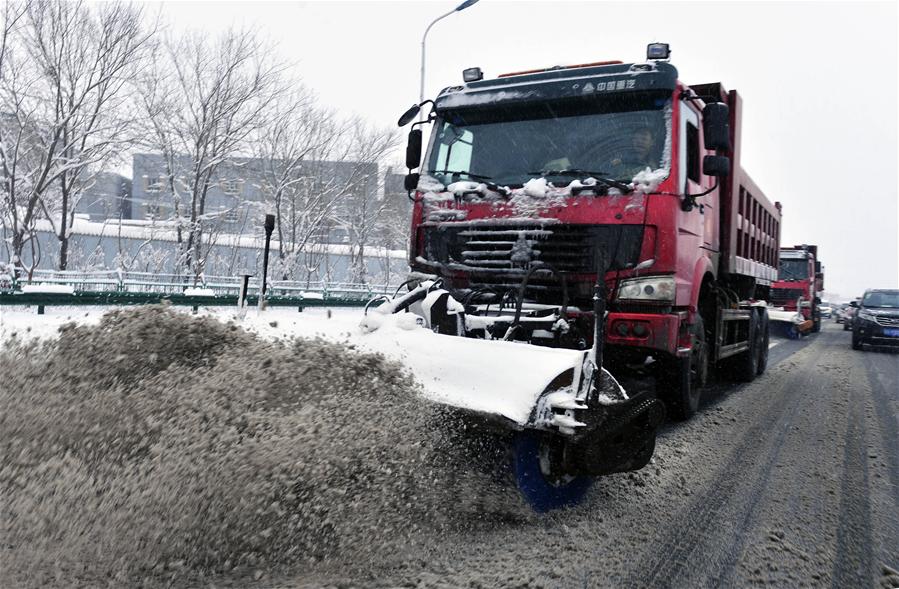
{"x": 772, "y": 344}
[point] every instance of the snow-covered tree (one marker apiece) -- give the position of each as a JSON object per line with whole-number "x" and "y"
{"x": 66, "y": 67}
{"x": 298, "y": 134}
{"x": 365, "y": 206}
{"x": 203, "y": 99}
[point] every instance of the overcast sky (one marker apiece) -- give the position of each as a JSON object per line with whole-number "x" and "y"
{"x": 818, "y": 82}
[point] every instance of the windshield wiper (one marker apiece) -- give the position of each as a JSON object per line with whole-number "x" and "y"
{"x": 577, "y": 173}
{"x": 486, "y": 180}
{"x": 454, "y": 172}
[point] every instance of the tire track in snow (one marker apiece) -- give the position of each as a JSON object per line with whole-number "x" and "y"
{"x": 880, "y": 367}
{"x": 671, "y": 560}
{"x": 853, "y": 554}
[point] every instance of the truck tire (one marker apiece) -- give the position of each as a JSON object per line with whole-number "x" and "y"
{"x": 540, "y": 491}
{"x": 682, "y": 380}
{"x": 764, "y": 341}
{"x": 816, "y": 323}
{"x": 746, "y": 364}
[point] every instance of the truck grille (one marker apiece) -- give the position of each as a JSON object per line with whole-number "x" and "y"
{"x": 783, "y": 296}
{"x": 887, "y": 321}
{"x": 497, "y": 253}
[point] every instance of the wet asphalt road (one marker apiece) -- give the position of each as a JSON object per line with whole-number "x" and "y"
{"x": 789, "y": 481}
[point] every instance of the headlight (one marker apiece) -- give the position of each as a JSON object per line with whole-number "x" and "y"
{"x": 651, "y": 288}
{"x": 866, "y": 317}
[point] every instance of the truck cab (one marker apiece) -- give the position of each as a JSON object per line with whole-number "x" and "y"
{"x": 799, "y": 283}
{"x": 535, "y": 183}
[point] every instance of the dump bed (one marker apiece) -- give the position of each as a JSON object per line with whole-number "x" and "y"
{"x": 750, "y": 223}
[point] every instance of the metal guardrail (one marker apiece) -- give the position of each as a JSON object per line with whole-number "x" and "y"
{"x": 50, "y": 299}
{"x": 172, "y": 284}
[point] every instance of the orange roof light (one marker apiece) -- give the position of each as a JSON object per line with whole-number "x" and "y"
{"x": 563, "y": 67}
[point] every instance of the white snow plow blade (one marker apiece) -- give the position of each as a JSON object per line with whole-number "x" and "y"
{"x": 486, "y": 376}
{"x": 780, "y": 315}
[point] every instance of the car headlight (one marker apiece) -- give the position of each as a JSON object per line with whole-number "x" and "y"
{"x": 651, "y": 288}
{"x": 866, "y": 316}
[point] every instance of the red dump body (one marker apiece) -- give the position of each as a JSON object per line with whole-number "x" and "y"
{"x": 730, "y": 238}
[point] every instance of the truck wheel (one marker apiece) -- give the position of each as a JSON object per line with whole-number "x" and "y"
{"x": 684, "y": 378}
{"x": 746, "y": 363}
{"x": 764, "y": 341}
{"x": 531, "y": 466}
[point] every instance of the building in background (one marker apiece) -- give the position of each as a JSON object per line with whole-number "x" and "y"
{"x": 107, "y": 197}
{"x": 241, "y": 192}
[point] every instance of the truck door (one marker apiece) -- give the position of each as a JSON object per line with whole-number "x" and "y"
{"x": 703, "y": 220}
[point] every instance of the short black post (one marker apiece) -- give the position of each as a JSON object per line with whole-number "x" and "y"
{"x": 40, "y": 309}
{"x": 244, "y": 287}
{"x": 269, "y": 227}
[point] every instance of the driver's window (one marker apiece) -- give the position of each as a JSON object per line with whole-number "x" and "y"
{"x": 688, "y": 160}
{"x": 455, "y": 148}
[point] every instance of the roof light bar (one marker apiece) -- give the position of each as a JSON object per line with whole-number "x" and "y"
{"x": 562, "y": 67}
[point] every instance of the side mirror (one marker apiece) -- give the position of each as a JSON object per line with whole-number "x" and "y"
{"x": 854, "y": 304}
{"x": 410, "y": 182}
{"x": 408, "y": 115}
{"x": 413, "y": 149}
{"x": 715, "y": 126}
{"x": 715, "y": 165}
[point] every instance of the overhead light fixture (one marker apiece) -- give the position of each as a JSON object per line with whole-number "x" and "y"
{"x": 472, "y": 74}
{"x": 658, "y": 51}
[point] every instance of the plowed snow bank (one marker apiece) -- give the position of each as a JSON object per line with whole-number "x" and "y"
{"x": 155, "y": 444}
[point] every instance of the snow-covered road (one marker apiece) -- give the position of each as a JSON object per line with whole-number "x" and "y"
{"x": 789, "y": 481}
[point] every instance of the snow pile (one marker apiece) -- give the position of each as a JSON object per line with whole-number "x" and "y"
{"x": 648, "y": 181}
{"x": 45, "y": 288}
{"x": 428, "y": 183}
{"x": 199, "y": 292}
{"x": 156, "y": 445}
{"x": 536, "y": 188}
{"x": 463, "y": 186}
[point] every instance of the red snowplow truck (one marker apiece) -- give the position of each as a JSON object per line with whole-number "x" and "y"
{"x": 799, "y": 284}
{"x": 599, "y": 206}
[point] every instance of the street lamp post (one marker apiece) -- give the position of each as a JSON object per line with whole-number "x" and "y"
{"x": 463, "y": 6}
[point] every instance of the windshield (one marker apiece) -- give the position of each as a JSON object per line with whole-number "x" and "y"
{"x": 881, "y": 299}
{"x": 793, "y": 270}
{"x": 510, "y": 144}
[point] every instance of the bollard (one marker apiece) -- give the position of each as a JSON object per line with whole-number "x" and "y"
{"x": 244, "y": 286}
{"x": 269, "y": 227}
{"x": 40, "y": 309}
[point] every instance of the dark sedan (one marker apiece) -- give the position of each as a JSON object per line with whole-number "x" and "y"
{"x": 876, "y": 319}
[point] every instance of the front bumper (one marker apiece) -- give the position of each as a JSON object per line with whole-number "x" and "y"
{"x": 871, "y": 333}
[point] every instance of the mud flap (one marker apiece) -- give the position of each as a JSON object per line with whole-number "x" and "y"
{"x": 619, "y": 437}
